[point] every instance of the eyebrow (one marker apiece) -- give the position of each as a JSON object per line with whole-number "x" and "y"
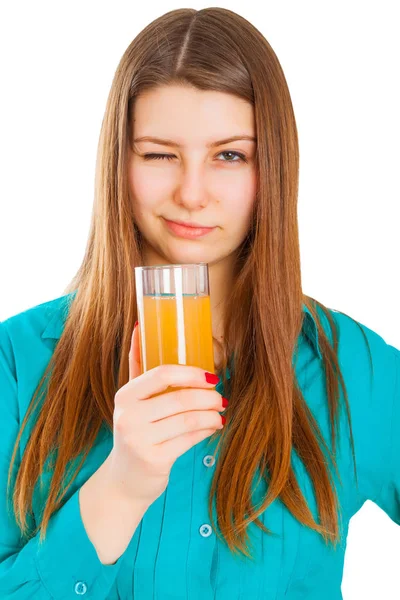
{"x": 156, "y": 140}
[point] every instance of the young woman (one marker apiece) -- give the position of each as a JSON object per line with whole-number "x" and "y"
{"x": 113, "y": 493}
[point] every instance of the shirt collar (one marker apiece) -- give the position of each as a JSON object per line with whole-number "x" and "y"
{"x": 56, "y": 324}
{"x": 57, "y": 313}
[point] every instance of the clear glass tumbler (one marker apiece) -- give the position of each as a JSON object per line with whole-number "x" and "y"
{"x": 174, "y": 315}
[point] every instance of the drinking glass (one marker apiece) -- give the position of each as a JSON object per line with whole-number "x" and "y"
{"x": 174, "y": 315}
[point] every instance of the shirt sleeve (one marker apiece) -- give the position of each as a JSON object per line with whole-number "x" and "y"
{"x": 388, "y": 497}
{"x": 66, "y": 565}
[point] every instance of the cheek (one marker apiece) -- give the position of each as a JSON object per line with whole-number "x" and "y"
{"x": 239, "y": 199}
{"x": 145, "y": 188}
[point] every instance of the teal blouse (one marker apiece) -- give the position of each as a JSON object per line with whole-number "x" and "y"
{"x": 174, "y": 553}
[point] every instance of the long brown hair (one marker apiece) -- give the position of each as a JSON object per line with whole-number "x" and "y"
{"x": 210, "y": 49}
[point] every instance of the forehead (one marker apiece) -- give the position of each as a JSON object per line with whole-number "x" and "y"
{"x": 186, "y": 115}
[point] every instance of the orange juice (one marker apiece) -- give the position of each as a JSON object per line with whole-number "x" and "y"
{"x": 177, "y": 330}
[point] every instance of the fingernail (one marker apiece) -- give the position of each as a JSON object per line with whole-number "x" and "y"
{"x": 224, "y": 402}
{"x": 223, "y": 419}
{"x": 135, "y": 324}
{"x": 211, "y": 378}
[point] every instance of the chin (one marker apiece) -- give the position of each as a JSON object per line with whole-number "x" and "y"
{"x": 184, "y": 254}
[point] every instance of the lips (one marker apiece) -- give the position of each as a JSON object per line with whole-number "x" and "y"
{"x": 193, "y": 224}
{"x": 188, "y": 232}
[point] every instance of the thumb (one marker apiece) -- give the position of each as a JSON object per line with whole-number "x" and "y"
{"x": 134, "y": 354}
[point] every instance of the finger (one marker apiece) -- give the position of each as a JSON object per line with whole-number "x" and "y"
{"x": 177, "y": 425}
{"x": 159, "y": 379}
{"x": 181, "y": 444}
{"x": 134, "y": 354}
{"x": 179, "y": 401}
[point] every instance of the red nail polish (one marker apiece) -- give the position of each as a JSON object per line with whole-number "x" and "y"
{"x": 224, "y": 402}
{"x": 223, "y": 419}
{"x": 211, "y": 378}
{"x": 137, "y": 322}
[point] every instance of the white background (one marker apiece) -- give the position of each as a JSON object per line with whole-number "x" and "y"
{"x": 341, "y": 62}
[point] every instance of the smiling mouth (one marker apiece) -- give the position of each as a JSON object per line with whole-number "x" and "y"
{"x": 190, "y": 224}
{"x": 188, "y": 232}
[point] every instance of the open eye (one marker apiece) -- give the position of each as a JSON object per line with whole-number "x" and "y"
{"x": 241, "y": 156}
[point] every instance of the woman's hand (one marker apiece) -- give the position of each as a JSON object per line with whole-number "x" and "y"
{"x": 150, "y": 433}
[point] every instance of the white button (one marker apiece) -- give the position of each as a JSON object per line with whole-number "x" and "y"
{"x": 80, "y": 588}
{"x": 209, "y": 460}
{"x": 205, "y": 530}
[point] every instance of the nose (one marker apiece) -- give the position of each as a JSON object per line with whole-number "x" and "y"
{"x": 191, "y": 191}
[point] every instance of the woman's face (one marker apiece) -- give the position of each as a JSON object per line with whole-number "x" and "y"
{"x": 203, "y": 183}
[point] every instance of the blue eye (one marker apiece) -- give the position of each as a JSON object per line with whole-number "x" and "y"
{"x": 241, "y": 157}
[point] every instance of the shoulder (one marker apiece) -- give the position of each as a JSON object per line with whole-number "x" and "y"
{"x": 24, "y": 349}
{"x": 362, "y": 351}
{"x": 35, "y": 318}
{"x": 32, "y": 323}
